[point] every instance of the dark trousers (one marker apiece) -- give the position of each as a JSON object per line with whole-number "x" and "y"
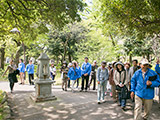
{"x": 31, "y": 77}
{"x": 68, "y": 83}
{"x": 11, "y": 85}
{"x": 52, "y": 76}
{"x": 93, "y": 78}
{"x": 77, "y": 82}
{"x": 85, "y": 79}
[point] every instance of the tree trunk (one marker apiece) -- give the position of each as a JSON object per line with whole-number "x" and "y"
{"x": 113, "y": 43}
{"x": 130, "y": 58}
{"x": 2, "y": 56}
{"x": 148, "y": 57}
{"x": 18, "y": 54}
{"x": 69, "y": 58}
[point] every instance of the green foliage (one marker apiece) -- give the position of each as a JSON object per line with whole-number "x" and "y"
{"x": 64, "y": 43}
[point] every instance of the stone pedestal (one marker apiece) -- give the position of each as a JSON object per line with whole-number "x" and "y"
{"x": 43, "y": 85}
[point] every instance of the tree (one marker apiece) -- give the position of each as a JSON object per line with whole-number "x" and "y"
{"x": 64, "y": 42}
{"x": 32, "y": 15}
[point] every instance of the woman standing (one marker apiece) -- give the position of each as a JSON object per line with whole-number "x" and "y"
{"x": 121, "y": 82}
{"x": 102, "y": 77}
{"x": 73, "y": 74}
{"x": 12, "y": 74}
{"x": 21, "y": 68}
{"x": 52, "y": 71}
{"x": 112, "y": 83}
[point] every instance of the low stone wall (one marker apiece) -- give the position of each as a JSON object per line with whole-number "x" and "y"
{"x": 6, "y": 109}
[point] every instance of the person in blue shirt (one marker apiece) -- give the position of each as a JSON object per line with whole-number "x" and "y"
{"x": 30, "y": 70}
{"x": 142, "y": 88}
{"x": 86, "y": 70}
{"x": 157, "y": 68}
{"x": 21, "y": 68}
{"x": 73, "y": 74}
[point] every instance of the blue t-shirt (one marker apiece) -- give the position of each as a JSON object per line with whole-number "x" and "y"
{"x": 86, "y": 68}
{"x": 30, "y": 68}
{"x": 21, "y": 67}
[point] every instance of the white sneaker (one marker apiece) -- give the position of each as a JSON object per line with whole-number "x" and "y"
{"x": 98, "y": 102}
{"x": 103, "y": 101}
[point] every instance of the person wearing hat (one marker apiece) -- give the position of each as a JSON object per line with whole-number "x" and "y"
{"x": 73, "y": 74}
{"x": 120, "y": 82}
{"x": 30, "y": 70}
{"x": 93, "y": 75}
{"x": 142, "y": 88}
{"x": 86, "y": 70}
{"x": 102, "y": 77}
{"x": 64, "y": 75}
{"x": 52, "y": 71}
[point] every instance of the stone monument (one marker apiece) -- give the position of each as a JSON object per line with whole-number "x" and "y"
{"x": 43, "y": 84}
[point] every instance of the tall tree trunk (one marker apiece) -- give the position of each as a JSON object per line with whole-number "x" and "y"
{"x": 113, "y": 43}
{"x": 17, "y": 56}
{"x": 130, "y": 58}
{"x": 2, "y": 56}
{"x": 148, "y": 57}
{"x": 69, "y": 58}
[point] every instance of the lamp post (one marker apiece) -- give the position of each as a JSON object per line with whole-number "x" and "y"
{"x": 15, "y": 30}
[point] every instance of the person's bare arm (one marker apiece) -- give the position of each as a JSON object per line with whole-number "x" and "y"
{"x": 5, "y": 71}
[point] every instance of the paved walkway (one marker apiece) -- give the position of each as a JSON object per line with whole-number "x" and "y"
{"x": 68, "y": 106}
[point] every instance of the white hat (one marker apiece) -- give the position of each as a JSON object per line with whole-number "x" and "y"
{"x": 144, "y": 62}
{"x": 95, "y": 61}
{"x": 119, "y": 63}
{"x": 70, "y": 64}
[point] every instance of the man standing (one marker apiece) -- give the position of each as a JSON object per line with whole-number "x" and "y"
{"x": 132, "y": 70}
{"x": 102, "y": 77}
{"x": 86, "y": 70}
{"x": 30, "y": 70}
{"x": 93, "y": 75}
{"x": 142, "y": 87}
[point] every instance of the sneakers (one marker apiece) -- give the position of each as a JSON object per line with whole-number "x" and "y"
{"x": 98, "y": 102}
{"x": 103, "y": 101}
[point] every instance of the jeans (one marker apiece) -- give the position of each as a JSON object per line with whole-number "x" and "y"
{"x": 101, "y": 90}
{"x": 121, "y": 101}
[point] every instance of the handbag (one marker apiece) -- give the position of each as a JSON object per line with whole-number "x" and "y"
{"x": 118, "y": 88}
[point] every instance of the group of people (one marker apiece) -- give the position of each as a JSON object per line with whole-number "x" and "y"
{"x": 20, "y": 70}
{"x": 136, "y": 82}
